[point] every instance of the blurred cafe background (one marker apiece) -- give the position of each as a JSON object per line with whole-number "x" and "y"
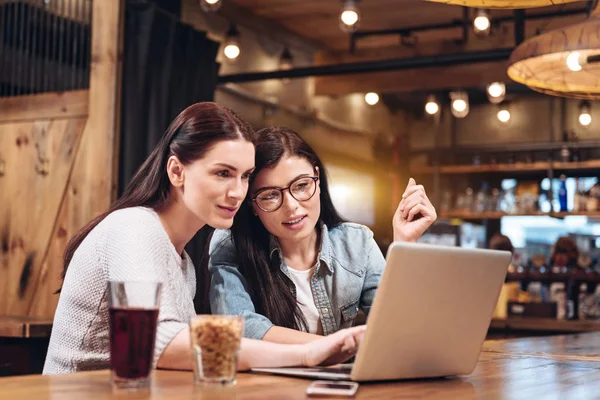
{"x": 494, "y": 111}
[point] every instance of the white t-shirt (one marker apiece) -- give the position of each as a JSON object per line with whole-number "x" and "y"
{"x": 305, "y": 299}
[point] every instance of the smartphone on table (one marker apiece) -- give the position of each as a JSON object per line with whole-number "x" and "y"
{"x": 332, "y": 388}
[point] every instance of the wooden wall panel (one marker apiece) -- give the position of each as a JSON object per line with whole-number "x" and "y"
{"x": 44, "y": 106}
{"x": 45, "y": 299}
{"x": 39, "y": 157}
{"x": 59, "y": 154}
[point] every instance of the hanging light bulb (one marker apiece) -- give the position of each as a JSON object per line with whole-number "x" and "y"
{"x": 349, "y": 16}
{"x": 210, "y": 5}
{"x": 460, "y": 104}
{"x": 432, "y": 107}
{"x": 231, "y": 47}
{"x": 371, "y": 98}
{"x": 286, "y": 60}
{"x": 503, "y": 115}
{"x": 482, "y": 23}
{"x": 496, "y": 91}
{"x": 573, "y": 61}
{"x": 585, "y": 116}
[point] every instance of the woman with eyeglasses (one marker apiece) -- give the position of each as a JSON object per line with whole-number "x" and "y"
{"x": 290, "y": 264}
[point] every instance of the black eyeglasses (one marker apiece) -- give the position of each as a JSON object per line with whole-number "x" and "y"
{"x": 271, "y": 199}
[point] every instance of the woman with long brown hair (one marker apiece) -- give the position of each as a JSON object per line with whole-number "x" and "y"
{"x": 291, "y": 265}
{"x": 197, "y": 175}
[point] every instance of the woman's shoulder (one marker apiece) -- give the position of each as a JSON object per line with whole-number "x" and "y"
{"x": 350, "y": 231}
{"x": 350, "y": 244}
{"x": 222, "y": 251}
{"x": 221, "y": 240}
{"x": 132, "y": 215}
{"x": 133, "y": 224}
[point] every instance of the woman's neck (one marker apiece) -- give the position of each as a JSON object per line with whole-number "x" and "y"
{"x": 301, "y": 254}
{"x": 181, "y": 225}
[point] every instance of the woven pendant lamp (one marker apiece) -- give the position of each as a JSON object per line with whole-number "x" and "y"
{"x": 564, "y": 62}
{"x": 504, "y": 3}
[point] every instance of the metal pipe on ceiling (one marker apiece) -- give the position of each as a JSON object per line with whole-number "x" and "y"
{"x": 519, "y": 26}
{"x": 442, "y": 60}
{"x": 459, "y": 23}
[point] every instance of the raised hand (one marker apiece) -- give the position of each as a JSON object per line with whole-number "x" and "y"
{"x": 414, "y": 214}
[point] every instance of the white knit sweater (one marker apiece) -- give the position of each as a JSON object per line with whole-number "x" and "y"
{"x": 128, "y": 245}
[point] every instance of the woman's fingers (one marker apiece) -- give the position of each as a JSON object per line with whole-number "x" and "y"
{"x": 411, "y": 201}
{"x": 414, "y": 211}
{"x": 334, "y": 348}
{"x": 349, "y": 343}
{"x": 411, "y": 189}
{"x": 415, "y": 199}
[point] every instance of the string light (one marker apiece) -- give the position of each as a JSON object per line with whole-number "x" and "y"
{"x": 210, "y": 5}
{"x": 371, "y": 98}
{"x": 460, "y": 104}
{"x": 585, "y": 116}
{"x": 231, "y": 48}
{"x": 349, "y": 16}
{"x": 481, "y": 23}
{"x": 503, "y": 115}
{"x": 496, "y": 92}
{"x": 432, "y": 107}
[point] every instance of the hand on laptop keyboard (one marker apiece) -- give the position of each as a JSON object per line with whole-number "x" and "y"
{"x": 335, "y": 348}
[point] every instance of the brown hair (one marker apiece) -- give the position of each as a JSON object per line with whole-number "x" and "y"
{"x": 501, "y": 242}
{"x": 565, "y": 245}
{"x": 269, "y": 288}
{"x": 189, "y": 137}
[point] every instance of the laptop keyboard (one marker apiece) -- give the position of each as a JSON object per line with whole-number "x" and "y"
{"x": 341, "y": 369}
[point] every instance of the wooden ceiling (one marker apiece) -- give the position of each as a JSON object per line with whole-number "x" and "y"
{"x": 317, "y": 20}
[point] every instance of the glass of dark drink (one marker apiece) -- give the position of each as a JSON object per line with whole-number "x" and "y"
{"x": 133, "y": 315}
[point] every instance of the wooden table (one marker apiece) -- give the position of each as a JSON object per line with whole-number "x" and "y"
{"x": 559, "y": 367}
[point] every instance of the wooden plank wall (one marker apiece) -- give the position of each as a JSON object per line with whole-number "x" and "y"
{"x": 38, "y": 155}
{"x": 57, "y": 171}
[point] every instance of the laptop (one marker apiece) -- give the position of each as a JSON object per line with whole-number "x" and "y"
{"x": 429, "y": 317}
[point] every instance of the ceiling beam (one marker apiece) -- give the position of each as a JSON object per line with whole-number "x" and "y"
{"x": 411, "y": 79}
{"x": 415, "y": 79}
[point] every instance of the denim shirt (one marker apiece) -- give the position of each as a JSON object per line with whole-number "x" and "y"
{"x": 347, "y": 273}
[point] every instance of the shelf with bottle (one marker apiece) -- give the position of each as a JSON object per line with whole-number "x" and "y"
{"x": 537, "y": 166}
{"x": 560, "y": 198}
{"x": 472, "y": 215}
{"x": 576, "y": 165}
{"x": 519, "y": 167}
{"x": 578, "y": 275}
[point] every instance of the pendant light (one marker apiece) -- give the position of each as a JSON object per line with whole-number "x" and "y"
{"x": 564, "y": 62}
{"x": 504, "y": 3}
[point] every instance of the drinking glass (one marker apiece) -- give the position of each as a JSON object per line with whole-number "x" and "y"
{"x": 133, "y": 317}
{"x": 215, "y": 341}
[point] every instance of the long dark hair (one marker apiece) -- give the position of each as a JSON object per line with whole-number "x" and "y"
{"x": 189, "y": 137}
{"x": 269, "y": 288}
